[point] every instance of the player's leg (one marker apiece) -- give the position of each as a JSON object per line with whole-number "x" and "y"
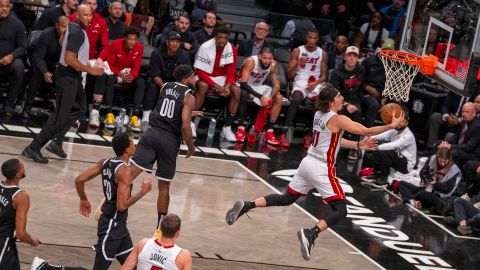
{"x": 270, "y": 124}
{"x": 202, "y": 88}
{"x": 145, "y": 154}
{"x": 41, "y": 264}
{"x": 296, "y": 100}
{"x": 8, "y": 254}
{"x": 125, "y": 248}
{"x": 163, "y": 200}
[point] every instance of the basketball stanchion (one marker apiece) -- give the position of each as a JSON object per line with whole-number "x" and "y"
{"x": 401, "y": 68}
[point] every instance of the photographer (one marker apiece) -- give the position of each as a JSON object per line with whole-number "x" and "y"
{"x": 440, "y": 177}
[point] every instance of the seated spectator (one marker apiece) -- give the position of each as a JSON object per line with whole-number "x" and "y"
{"x": 392, "y": 15}
{"x": 50, "y": 16}
{"x": 467, "y": 216}
{"x": 307, "y": 68}
{"x": 336, "y": 56}
{"x": 215, "y": 65}
{"x": 254, "y": 71}
{"x": 372, "y": 33}
{"x": 396, "y": 150}
{"x": 13, "y": 47}
{"x": 439, "y": 177}
{"x": 115, "y": 25}
{"x": 347, "y": 78}
{"x": 253, "y": 46}
{"x": 163, "y": 61}
{"x": 188, "y": 42}
{"x": 465, "y": 143}
{"x": 208, "y": 31}
{"x": 445, "y": 121}
{"x": 201, "y": 7}
{"x": 45, "y": 58}
{"x": 296, "y": 30}
{"x": 124, "y": 59}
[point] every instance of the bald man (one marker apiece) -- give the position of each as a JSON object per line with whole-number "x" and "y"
{"x": 71, "y": 99}
{"x": 337, "y": 54}
{"x": 253, "y": 46}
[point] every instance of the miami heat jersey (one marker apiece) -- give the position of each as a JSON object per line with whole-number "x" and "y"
{"x": 325, "y": 144}
{"x": 311, "y": 70}
{"x": 154, "y": 256}
{"x": 258, "y": 74}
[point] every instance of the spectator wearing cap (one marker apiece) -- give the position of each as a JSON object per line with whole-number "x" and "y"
{"x": 163, "y": 62}
{"x": 208, "y": 30}
{"x": 215, "y": 65}
{"x": 253, "y": 46}
{"x": 188, "y": 41}
{"x": 124, "y": 59}
{"x": 348, "y": 78}
{"x": 115, "y": 25}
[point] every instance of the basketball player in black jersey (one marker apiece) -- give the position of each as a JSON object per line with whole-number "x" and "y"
{"x": 14, "y": 204}
{"x": 113, "y": 237}
{"x": 169, "y": 123}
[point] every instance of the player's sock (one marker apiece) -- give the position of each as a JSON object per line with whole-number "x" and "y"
{"x": 250, "y": 205}
{"x": 269, "y": 124}
{"x": 315, "y": 232}
{"x": 229, "y": 120}
{"x": 160, "y": 218}
{"x": 96, "y": 105}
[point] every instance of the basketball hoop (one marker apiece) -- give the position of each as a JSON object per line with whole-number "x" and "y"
{"x": 400, "y": 69}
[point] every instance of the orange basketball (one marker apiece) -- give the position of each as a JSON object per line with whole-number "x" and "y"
{"x": 388, "y": 110}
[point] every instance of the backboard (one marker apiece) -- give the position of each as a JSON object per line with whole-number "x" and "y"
{"x": 450, "y": 31}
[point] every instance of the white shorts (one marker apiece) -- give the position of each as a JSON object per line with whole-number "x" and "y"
{"x": 263, "y": 90}
{"x": 301, "y": 86}
{"x": 220, "y": 80}
{"x": 314, "y": 173}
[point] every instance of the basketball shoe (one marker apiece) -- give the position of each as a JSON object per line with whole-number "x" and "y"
{"x": 110, "y": 121}
{"x": 157, "y": 234}
{"x": 270, "y": 137}
{"x": 238, "y": 209}
{"x": 240, "y": 134}
{"x": 306, "y": 242}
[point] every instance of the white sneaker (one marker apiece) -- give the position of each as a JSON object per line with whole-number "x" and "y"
{"x": 146, "y": 116}
{"x": 94, "y": 119}
{"x": 37, "y": 263}
{"x": 477, "y": 205}
{"x": 228, "y": 134}
{"x": 194, "y": 130}
{"x": 466, "y": 197}
{"x": 126, "y": 120}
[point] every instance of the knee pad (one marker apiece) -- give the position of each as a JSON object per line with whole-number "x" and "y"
{"x": 286, "y": 198}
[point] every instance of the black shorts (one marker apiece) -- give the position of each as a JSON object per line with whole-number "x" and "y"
{"x": 113, "y": 238}
{"x": 160, "y": 146}
{"x": 9, "y": 254}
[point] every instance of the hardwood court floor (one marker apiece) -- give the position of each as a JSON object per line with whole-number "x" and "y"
{"x": 201, "y": 193}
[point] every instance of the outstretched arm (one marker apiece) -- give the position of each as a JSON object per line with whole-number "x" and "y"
{"x": 353, "y": 127}
{"x": 124, "y": 180}
{"x": 80, "y": 180}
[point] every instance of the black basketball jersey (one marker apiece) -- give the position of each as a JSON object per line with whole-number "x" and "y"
{"x": 7, "y": 212}
{"x": 168, "y": 112}
{"x": 109, "y": 207}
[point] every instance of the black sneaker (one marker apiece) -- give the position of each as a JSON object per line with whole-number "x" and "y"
{"x": 56, "y": 149}
{"x": 380, "y": 181}
{"x": 306, "y": 242}
{"x": 35, "y": 155}
{"x": 238, "y": 209}
{"x": 27, "y": 112}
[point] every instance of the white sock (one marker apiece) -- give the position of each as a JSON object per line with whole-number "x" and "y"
{"x": 146, "y": 115}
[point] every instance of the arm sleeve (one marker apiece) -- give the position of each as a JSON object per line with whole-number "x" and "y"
{"x": 104, "y": 39}
{"x": 137, "y": 63}
{"x": 249, "y": 89}
{"x": 401, "y": 143}
{"x": 20, "y": 41}
{"x": 232, "y": 68}
{"x": 384, "y": 136}
{"x": 204, "y": 76}
{"x": 39, "y": 54}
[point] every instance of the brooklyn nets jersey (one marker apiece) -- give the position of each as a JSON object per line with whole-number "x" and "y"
{"x": 156, "y": 256}
{"x": 109, "y": 207}
{"x": 168, "y": 112}
{"x": 325, "y": 144}
{"x": 7, "y": 212}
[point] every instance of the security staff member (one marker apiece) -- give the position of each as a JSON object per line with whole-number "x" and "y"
{"x": 50, "y": 16}
{"x": 13, "y": 44}
{"x": 71, "y": 99}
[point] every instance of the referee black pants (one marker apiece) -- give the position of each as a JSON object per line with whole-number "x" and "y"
{"x": 71, "y": 105}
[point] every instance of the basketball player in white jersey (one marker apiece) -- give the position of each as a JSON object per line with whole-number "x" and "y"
{"x": 317, "y": 169}
{"x": 254, "y": 71}
{"x": 308, "y": 68}
{"x": 161, "y": 253}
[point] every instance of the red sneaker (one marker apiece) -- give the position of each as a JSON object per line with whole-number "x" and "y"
{"x": 270, "y": 137}
{"x": 284, "y": 140}
{"x": 366, "y": 172}
{"x": 307, "y": 141}
{"x": 240, "y": 134}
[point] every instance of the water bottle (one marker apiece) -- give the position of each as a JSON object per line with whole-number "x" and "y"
{"x": 211, "y": 131}
{"x": 252, "y": 136}
{"x": 121, "y": 118}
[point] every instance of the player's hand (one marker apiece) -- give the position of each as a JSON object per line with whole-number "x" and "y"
{"x": 187, "y": 46}
{"x": 397, "y": 121}
{"x": 190, "y": 151}
{"x": 453, "y": 120}
{"x": 146, "y": 185}
{"x": 478, "y": 170}
{"x": 311, "y": 86}
{"x": 197, "y": 113}
{"x": 341, "y": 8}
{"x": 264, "y": 101}
{"x": 368, "y": 143}
{"x": 351, "y": 108}
{"x": 47, "y": 77}
{"x": 7, "y": 59}
{"x": 99, "y": 63}
{"x": 127, "y": 78}
{"x": 325, "y": 9}
{"x": 35, "y": 241}
{"x": 96, "y": 71}
{"x": 445, "y": 144}
{"x": 85, "y": 208}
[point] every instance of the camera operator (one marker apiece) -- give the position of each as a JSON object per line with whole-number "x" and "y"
{"x": 440, "y": 177}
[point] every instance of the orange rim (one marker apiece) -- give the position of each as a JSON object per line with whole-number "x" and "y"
{"x": 409, "y": 58}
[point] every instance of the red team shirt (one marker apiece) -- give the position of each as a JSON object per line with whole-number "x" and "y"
{"x": 119, "y": 58}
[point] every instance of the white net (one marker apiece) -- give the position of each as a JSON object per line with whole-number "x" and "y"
{"x": 399, "y": 76}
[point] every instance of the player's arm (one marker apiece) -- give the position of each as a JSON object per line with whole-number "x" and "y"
{"x": 353, "y": 127}
{"x": 369, "y": 143}
{"x": 132, "y": 259}
{"x": 87, "y": 175}
{"x": 247, "y": 67}
{"x": 21, "y": 203}
{"x": 124, "y": 180}
{"x": 184, "y": 260}
{"x": 275, "y": 79}
{"x": 188, "y": 105}
{"x": 292, "y": 64}
{"x": 324, "y": 68}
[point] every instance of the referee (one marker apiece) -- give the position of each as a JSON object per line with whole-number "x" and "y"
{"x": 71, "y": 99}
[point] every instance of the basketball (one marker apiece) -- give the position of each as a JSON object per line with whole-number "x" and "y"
{"x": 387, "y": 112}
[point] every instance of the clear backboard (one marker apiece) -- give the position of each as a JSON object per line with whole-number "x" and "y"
{"x": 448, "y": 30}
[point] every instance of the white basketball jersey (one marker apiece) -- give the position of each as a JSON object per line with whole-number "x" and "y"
{"x": 156, "y": 256}
{"x": 258, "y": 74}
{"x": 312, "y": 65}
{"x": 325, "y": 144}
